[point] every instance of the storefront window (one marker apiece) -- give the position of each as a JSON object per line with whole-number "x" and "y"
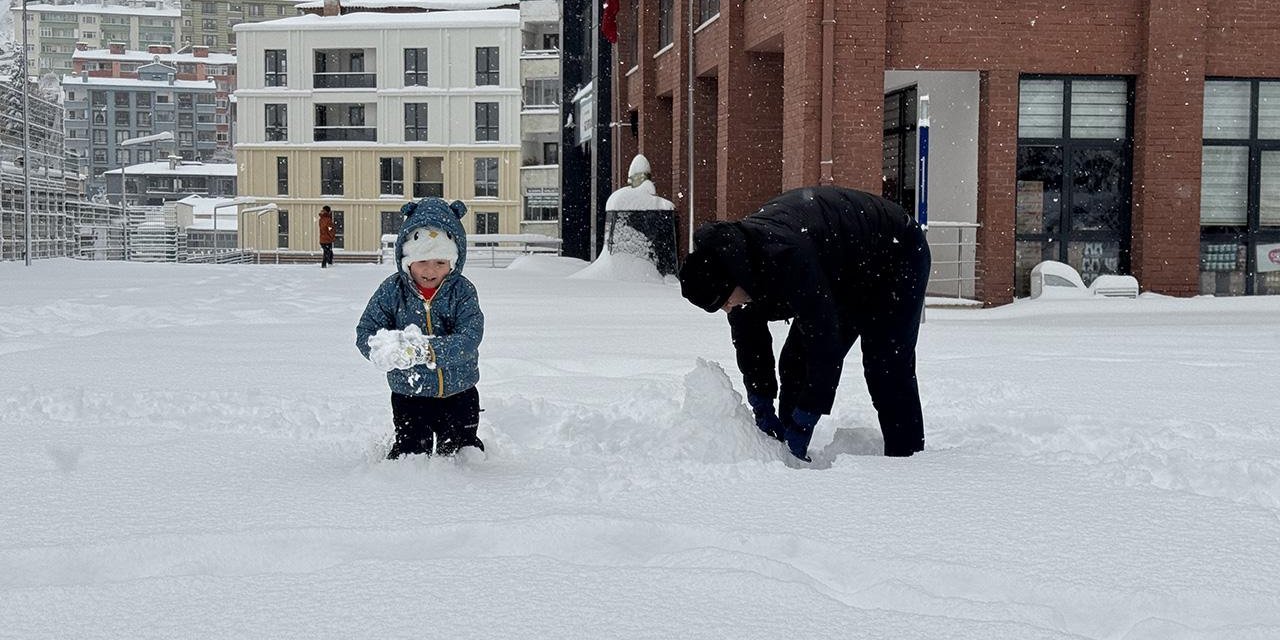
{"x": 1074, "y": 175}
{"x": 1240, "y": 188}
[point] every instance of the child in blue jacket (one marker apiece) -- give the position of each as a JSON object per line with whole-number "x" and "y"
{"x": 424, "y": 325}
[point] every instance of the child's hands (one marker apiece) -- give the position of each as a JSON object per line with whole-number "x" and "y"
{"x": 394, "y": 349}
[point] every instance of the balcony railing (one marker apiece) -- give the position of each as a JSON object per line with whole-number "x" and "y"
{"x": 345, "y": 80}
{"x": 345, "y": 134}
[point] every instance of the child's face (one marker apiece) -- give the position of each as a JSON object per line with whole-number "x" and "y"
{"x": 429, "y": 273}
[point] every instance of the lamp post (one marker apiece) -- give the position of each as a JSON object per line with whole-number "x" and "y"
{"x": 124, "y": 208}
{"x": 257, "y": 211}
{"x": 26, "y": 137}
{"x": 234, "y": 202}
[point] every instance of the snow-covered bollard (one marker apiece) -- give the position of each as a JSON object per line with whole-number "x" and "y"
{"x": 641, "y": 223}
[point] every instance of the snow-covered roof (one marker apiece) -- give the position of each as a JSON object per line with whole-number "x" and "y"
{"x": 376, "y": 20}
{"x": 143, "y": 56}
{"x": 216, "y": 169}
{"x": 105, "y": 9}
{"x": 131, "y": 82}
{"x": 427, "y": 5}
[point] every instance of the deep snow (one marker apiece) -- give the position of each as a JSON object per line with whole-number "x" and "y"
{"x": 192, "y": 451}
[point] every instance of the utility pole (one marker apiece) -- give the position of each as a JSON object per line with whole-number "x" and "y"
{"x": 25, "y": 86}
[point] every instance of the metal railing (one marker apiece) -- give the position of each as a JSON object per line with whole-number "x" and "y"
{"x": 954, "y": 246}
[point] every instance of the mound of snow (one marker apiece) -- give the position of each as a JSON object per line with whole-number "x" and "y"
{"x": 622, "y": 267}
{"x": 548, "y": 265}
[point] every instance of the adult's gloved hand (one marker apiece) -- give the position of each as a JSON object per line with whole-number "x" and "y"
{"x": 799, "y": 431}
{"x": 767, "y": 419}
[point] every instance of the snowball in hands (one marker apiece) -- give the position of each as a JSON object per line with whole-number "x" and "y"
{"x": 396, "y": 349}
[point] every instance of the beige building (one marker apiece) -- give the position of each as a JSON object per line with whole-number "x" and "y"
{"x": 366, "y": 111}
{"x": 210, "y": 24}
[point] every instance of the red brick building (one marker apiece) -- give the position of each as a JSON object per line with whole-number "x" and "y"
{"x": 1130, "y": 136}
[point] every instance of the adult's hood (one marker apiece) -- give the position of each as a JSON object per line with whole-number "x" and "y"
{"x": 437, "y": 214}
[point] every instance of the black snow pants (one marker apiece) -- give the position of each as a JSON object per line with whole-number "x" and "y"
{"x": 326, "y": 258}
{"x": 435, "y": 426}
{"x": 889, "y": 325}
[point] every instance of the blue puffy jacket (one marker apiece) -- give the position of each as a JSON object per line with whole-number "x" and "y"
{"x": 453, "y": 315}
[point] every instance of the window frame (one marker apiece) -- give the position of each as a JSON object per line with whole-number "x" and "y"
{"x": 488, "y": 66}
{"x": 487, "y": 120}
{"x": 330, "y": 185}
{"x": 1252, "y": 233}
{"x": 486, "y": 177}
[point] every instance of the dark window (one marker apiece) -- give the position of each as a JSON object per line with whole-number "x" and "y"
{"x": 551, "y": 41}
{"x": 339, "y": 230}
{"x": 665, "y": 17}
{"x": 277, "y": 122}
{"x": 1240, "y": 188}
{"x": 415, "y": 67}
{"x": 339, "y": 122}
{"x": 486, "y": 177}
{"x": 486, "y": 66}
{"x": 389, "y": 223}
{"x": 341, "y": 69}
{"x": 898, "y": 164}
{"x": 542, "y": 92}
{"x": 122, "y": 99}
{"x": 276, "y": 69}
{"x": 282, "y": 175}
{"x": 487, "y": 222}
{"x": 708, "y": 9}
{"x": 331, "y": 176}
{"x": 540, "y": 208}
{"x": 282, "y": 229}
{"x": 415, "y": 121}
{"x": 486, "y": 122}
{"x": 428, "y": 177}
{"x": 391, "y": 173}
{"x": 550, "y": 153}
{"x": 1074, "y": 175}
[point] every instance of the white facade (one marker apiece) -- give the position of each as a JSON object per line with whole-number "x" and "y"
{"x": 451, "y": 93}
{"x": 310, "y": 136}
{"x": 540, "y": 121}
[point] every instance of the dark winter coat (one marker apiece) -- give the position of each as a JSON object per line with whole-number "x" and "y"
{"x": 453, "y": 315}
{"x": 827, "y": 258}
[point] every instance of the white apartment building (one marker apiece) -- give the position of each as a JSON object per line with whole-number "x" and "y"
{"x": 366, "y": 111}
{"x": 540, "y": 122}
{"x": 54, "y": 30}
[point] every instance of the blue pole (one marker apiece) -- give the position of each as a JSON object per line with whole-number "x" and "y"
{"x": 922, "y": 167}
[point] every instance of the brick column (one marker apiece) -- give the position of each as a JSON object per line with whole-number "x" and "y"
{"x": 650, "y": 118}
{"x": 1168, "y": 117}
{"x": 802, "y": 93}
{"x": 997, "y": 176}
{"x": 679, "y": 181}
{"x": 749, "y": 163}
{"x": 859, "y": 93}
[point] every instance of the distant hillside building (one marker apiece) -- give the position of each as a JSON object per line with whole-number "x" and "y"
{"x": 54, "y": 30}
{"x": 195, "y": 64}
{"x": 102, "y": 113}
{"x": 211, "y": 24}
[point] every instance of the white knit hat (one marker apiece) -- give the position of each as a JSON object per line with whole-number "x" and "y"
{"x": 428, "y": 243}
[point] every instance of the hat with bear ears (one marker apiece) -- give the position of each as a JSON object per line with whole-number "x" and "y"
{"x": 431, "y": 232}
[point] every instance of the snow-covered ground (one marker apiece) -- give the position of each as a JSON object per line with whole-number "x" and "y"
{"x": 192, "y": 451}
